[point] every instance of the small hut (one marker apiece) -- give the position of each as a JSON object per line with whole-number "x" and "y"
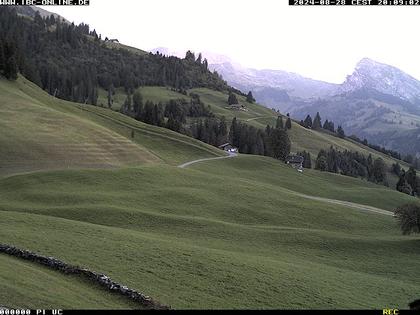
{"x": 295, "y": 161}
{"x": 228, "y": 148}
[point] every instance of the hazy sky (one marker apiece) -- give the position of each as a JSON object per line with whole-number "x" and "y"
{"x": 323, "y": 43}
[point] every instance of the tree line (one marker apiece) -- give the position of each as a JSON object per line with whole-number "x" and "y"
{"x": 317, "y": 124}
{"x": 392, "y": 153}
{"x": 352, "y": 164}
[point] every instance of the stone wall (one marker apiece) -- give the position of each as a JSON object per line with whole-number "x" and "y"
{"x": 101, "y": 279}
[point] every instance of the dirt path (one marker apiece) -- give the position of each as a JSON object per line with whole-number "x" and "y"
{"x": 230, "y": 155}
{"x": 255, "y": 118}
{"x": 348, "y": 204}
{"x": 327, "y": 200}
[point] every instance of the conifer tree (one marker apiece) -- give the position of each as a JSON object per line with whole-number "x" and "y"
{"x": 232, "y": 99}
{"x": 280, "y": 144}
{"x": 321, "y": 161}
{"x": 411, "y": 178}
{"x": 137, "y": 102}
{"x": 279, "y": 122}
{"x": 308, "y": 121}
{"x": 199, "y": 59}
{"x": 379, "y": 170}
{"x": 127, "y": 104}
{"x": 110, "y": 94}
{"x": 2, "y": 57}
{"x": 317, "y": 122}
{"x": 288, "y": 123}
{"x": 222, "y": 131}
{"x": 233, "y": 133}
{"x": 340, "y": 132}
{"x": 250, "y": 98}
{"x": 403, "y": 186}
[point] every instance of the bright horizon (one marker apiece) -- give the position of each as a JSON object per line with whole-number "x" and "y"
{"x": 323, "y": 43}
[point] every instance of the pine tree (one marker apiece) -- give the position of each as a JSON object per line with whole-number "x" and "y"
{"x": 10, "y": 69}
{"x": 2, "y": 57}
{"x": 321, "y": 161}
{"x": 199, "y": 59}
{"x": 288, "y": 123}
{"x": 411, "y": 178}
{"x": 205, "y": 64}
{"x": 340, "y": 132}
{"x": 403, "y": 186}
{"x": 127, "y": 104}
{"x": 148, "y": 116}
{"x": 137, "y": 103}
{"x": 280, "y": 144}
{"x": 189, "y": 56}
{"x": 232, "y": 99}
{"x": 222, "y": 131}
{"x": 250, "y": 98}
{"x": 233, "y": 133}
{"x": 308, "y": 121}
{"x": 379, "y": 170}
{"x": 308, "y": 161}
{"x": 158, "y": 117}
{"x": 279, "y": 122}
{"x": 317, "y": 122}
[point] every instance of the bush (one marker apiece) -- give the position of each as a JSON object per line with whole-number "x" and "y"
{"x": 408, "y": 217}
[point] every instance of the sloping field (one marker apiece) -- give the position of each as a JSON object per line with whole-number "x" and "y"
{"x": 245, "y": 232}
{"x": 40, "y": 132}
{"x": 260, "y": 116}
{"x": 36, "y": 136}
{"x": 28, "y": 286}
{"x": 208, "y": 237}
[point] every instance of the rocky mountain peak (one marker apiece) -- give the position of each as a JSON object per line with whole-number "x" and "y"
{"x": 370, "y": 74}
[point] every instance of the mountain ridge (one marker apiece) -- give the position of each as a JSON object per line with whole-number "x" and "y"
{"x": 381, "y": 102}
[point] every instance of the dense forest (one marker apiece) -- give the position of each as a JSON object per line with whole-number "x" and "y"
{"x": 71, "y": 62}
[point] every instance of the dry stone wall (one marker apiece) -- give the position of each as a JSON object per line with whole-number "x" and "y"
{"x": 101, "y": 279}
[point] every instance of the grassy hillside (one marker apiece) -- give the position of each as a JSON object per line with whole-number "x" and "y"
{"x": 259, "y": 116}
{"x": 29, "y": 286}
{"x": 225, "y": 235}
{"x": 39, "y": 132}
{"x": 234, "y": 233}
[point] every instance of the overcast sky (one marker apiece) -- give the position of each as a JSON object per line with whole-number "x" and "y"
{"x": 323, "y": 43}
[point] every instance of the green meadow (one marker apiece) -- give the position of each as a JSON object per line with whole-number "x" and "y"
{"x": 231, "y": 233}
{"x": 30, "y": 286}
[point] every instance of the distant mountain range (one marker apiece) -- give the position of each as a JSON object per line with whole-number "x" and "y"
{"x": 377, "y": 101}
